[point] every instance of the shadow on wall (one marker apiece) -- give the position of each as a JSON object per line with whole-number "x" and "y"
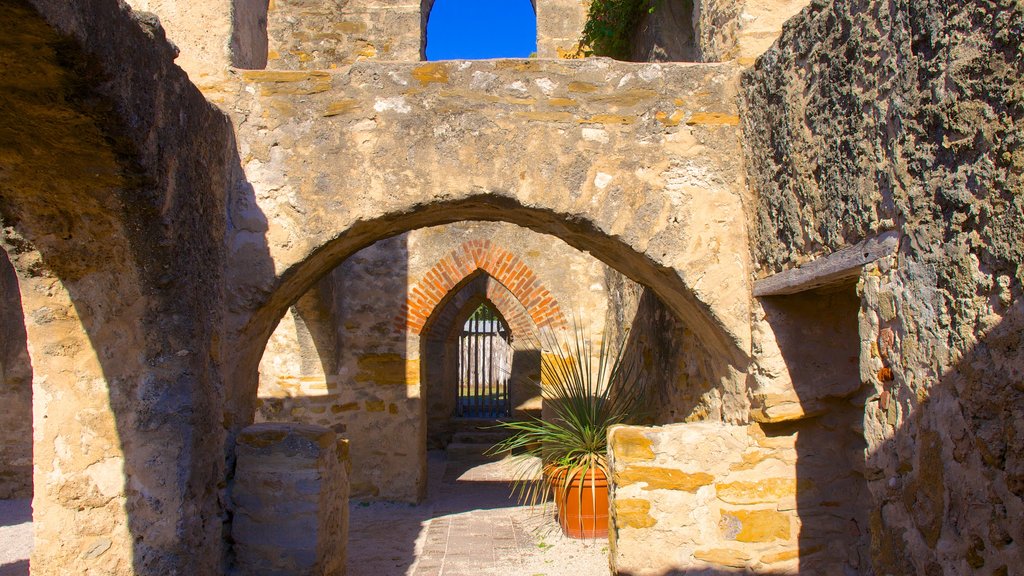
{"x": 15, "y": 390}
{"x": 336, "y": 360}
{"x": 19, "y": 568}
{"x": 680, "y": 389}
{"x": 120, "y": 277}
{"x": 978, "y": 404}
{"x": 818, "y": 335}
{"x": 962, "y": 435}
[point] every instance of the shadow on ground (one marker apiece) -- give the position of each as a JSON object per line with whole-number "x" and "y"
{"x": 469, "y": 524}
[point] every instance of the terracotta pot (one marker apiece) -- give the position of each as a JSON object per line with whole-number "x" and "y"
{"x": 583, "y": 504}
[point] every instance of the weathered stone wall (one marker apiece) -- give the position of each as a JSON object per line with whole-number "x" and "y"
{"x": 289, "y": 501}
{"x": 710, "y": 30}
{"x": 869, "y": 116}
{"x": 112, "y": 199}
{"x": 681, "y": 385}
{"x": 15, "y": 390}
{"x": 348, "y": 355}
{"x": 321, "y": 34}
{"x": 630, "y": 163}
{"x": 559, "y": 26}
{"x": 666, "y": 34}
{"x": 703, "y": 496}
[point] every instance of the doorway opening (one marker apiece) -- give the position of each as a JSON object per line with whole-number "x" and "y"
{"x": 485, "y": 366}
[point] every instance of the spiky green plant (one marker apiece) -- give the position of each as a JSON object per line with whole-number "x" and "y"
{"x": 585, "y": 391}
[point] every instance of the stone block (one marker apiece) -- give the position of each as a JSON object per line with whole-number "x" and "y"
{"x": 290, "y": 498}
{"x": 755, "y": 525}
{"x": 657, "y": 478}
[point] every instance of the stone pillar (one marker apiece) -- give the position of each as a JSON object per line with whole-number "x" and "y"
{"x": 290, "y": 497}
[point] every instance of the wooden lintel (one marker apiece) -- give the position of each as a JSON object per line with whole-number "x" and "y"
{"x": 835, "y": 268}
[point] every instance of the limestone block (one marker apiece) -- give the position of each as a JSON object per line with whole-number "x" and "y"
{"x": 290, "y": 496}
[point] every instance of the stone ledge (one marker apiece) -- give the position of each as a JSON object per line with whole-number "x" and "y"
{"x": 840, "y": 266}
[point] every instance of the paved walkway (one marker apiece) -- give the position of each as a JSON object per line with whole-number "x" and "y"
{"x": 15, "y": 536}
{"x": 468, "y": 526}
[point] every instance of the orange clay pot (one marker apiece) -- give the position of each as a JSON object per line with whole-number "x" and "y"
{"x": 583, "y": 505}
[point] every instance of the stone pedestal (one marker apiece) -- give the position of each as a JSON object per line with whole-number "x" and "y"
{"x": 290, "y": 496}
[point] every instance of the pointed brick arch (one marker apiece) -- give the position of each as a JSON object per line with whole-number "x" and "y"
{"x": 502, "y": 265}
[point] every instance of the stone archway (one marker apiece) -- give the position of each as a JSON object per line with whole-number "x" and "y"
{"x": 439, "y": 343}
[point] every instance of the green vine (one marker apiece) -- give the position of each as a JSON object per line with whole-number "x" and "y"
{"x": 609, "y": 26}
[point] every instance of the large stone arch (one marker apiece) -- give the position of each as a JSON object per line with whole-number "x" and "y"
{"x": 638, "y": 167}
{"x": 729, "y": 359}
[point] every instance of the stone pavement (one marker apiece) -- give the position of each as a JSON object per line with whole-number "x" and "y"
{"x": 15, "y": 536}
{"x": 468, "y": 526}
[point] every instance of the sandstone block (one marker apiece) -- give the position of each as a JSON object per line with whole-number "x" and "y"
{"x": 657, "y": 478}
{"x": 755, "y": 525}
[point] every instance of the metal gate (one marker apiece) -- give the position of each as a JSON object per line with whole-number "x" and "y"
{"x": 485, "y": 366}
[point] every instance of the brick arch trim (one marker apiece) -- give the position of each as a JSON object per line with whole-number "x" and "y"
{"x": 452, "y": 312}
{"x": 501, "y": 264}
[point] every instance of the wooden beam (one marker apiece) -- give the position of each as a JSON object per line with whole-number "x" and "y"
{"x": 836, "y": 268}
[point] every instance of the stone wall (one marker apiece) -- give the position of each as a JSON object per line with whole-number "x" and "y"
{"x": 321, "y": 34}
{"x": 15, "y": 390}
{"x": 869, "y": 116}
{"x": 689, "y": 498}
{"x": 681, "y": 385}
{"x": 112, "y": 204}
{"x": 290, "y": 501}
{"x": 616, "y": 159}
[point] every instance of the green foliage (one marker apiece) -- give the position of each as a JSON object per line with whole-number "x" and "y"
{"x": 609, "y": 25}
{"x": 586, "y": 389}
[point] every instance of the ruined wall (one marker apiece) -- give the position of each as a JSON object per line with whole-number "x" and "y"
{"x": 346, "y": 357}
{"x": 709, "y": 30}
{"x": 620, "y": 160}
{"x": 320, "y": 34}
{"x": 15, "y": 390}
{"x": 703, "y": 496}
{"x": 290, "y": 495}
{"x": 112, "y": 204}
{"x": 869, "y": 116}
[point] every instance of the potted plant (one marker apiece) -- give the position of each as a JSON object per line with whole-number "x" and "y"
{"x": 586, "y": 390}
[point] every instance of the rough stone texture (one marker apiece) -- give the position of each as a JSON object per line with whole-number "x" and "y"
{"x": 150, "y": 292}
{"x": 710, "y": 30}
{"x": 559, "y": 26}
{"x": 666, "y": 34}
{"x": 15, "y": 390}
{"x": 114, "y": 169}
{"x": 290, "y": 501}
{"x": 706, "y": 496}
{"x": 499, "y": 117}
{"x": 681, "y": 380}
{"x": 916, "y": 128}
{"x": 315, "y": 34}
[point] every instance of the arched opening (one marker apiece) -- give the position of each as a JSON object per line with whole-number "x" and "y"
{"x": 485, "y": 366}
{"x": 401, "y": 309}
{"x": 470, "y": 30}
{"x": 443, "y": 357}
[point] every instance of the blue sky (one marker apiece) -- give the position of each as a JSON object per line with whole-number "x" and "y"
{"x": 469, "y": 29}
